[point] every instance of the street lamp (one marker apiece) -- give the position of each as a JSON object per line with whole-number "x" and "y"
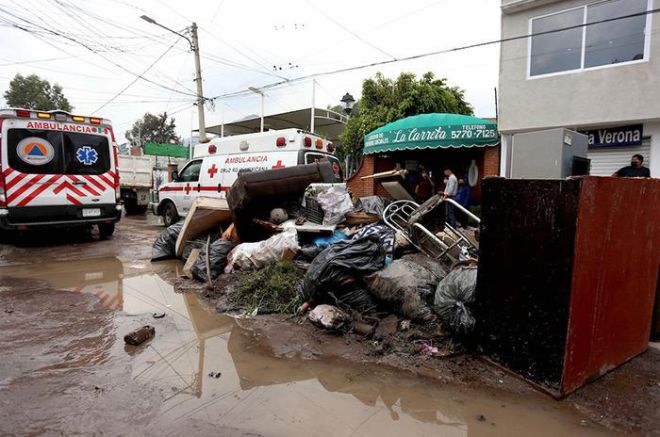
{"x": 194, "y": 47}
{"x": 261, "y": 93}
{"x": 348, "y": 102}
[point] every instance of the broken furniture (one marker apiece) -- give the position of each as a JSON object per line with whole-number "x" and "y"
{"x": 567, "y": 276}
{"x": 255, "y": 194}
{"x": 424, "y": 227}
{"x": 206, "y": 214}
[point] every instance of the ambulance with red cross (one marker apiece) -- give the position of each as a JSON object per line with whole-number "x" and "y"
{"x": 57, "y": 170}
{"x": 216, "y": 165}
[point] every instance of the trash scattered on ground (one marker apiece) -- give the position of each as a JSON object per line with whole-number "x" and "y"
{"x": 247, "y": 256}
{"x": 406, "y": 288}
{"x": 328, "y": 317}
{"x": 215, "y": 375}
{"x": 334, "y": 276}
{"x": 452, "y": 298}
{"x": 272, "y": 289}
{"x": 336, "y": 203}
{"x": 165, "y": 245}
{"x": 158, "y": 315}
{"x": 323, "y": 242}
{"x": 140, "y": 335}
{"x": 206, "y": 214}
{"x": 384, "y": 233}
{"x": 212, "y": 262}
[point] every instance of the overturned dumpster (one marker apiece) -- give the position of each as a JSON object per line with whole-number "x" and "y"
{"x": 567, "y": 276}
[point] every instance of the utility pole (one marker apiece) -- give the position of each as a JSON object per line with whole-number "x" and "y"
{"x": 194, "y": 47}
{"x": 198, "y": 80}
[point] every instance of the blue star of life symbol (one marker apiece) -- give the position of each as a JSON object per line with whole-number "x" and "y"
{"x": 86, "y": 155}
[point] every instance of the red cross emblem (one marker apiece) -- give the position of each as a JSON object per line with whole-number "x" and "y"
{"x": 279, "y": 164}
{"x": 212, "y": 171}
{"x": 187, "y": 188}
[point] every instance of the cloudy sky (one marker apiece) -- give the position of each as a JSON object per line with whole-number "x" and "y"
{"x": 95, "y": 49}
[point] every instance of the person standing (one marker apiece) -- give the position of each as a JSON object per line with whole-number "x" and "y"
{"x": 635, "y": 169}
{"x": 450, "y": 193}
{"x": 424, "y": 188}
{"x": 463, "y": 199}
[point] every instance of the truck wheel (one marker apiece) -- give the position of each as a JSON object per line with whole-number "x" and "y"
{"x": 170, "y": 216}
{"x": 140, "y": 209}
{"x": 106, "y": 230}
{"x": 130, "y": 206}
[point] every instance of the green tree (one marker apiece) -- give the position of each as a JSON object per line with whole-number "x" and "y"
{"x": 33, "y": 92}
{"x": 385, "y": 100}
{"x": 153, "y": 129}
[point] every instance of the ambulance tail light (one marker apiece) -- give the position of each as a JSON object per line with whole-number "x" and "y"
{"x": 319, "y": 143}
{"x": 307, "y": 142}
{"x": 95, "y": 120}
{"x": 23, "y": 114}
{"x": 331, "y": 147}
{"x": 212, "y": 149}
{"x": 280, "y": 142}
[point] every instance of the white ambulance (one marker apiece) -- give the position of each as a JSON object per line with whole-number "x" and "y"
{"x": 57, "y": 169}
{"x": 216, "y": 164}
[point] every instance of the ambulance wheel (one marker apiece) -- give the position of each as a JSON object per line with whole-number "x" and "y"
{"x": 170, "y": 216}
{"x": 106, "y": 230}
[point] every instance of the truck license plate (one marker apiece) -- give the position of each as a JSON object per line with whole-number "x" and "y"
{"x": 91, "y": 212}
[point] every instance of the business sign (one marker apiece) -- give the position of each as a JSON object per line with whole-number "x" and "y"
{"x": 172, "y": 150}
{"x": 622, "y": 136}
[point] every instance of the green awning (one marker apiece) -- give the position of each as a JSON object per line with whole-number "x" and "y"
{"x": 432, "y": 131}
{"x": 173, "y": 150}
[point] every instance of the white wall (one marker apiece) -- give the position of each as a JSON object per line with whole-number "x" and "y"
{"x": 612, "y": 95}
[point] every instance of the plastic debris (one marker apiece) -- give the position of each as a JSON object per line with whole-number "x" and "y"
{"x": 257, "y": 255}
{"x": 217, "y": 260}
{"x": 452, "y": 299}
{"x": 165, "y": 245}
{"x": 328, "y": 317}
{"x": 336, "y": 202}
{"x": 323, "y": 242}
{"x": 384, "y": 233}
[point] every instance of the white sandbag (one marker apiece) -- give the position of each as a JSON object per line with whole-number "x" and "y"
{"x": 247, "y": 256}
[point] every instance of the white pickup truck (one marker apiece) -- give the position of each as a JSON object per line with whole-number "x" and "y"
{"x": 135, "y": 181}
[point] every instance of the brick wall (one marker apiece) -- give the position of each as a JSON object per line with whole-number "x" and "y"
{"x": 491, "y": 161}
{"x": 363, "y": 187}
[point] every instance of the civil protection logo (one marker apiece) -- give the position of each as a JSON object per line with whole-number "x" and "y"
{"x": 35, "y": 151}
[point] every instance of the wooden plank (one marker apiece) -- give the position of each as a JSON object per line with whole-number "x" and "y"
{"x": 192, "y": 259}
{"x": 205, "y": 214}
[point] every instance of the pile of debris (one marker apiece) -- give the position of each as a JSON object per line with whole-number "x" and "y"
{"x": 293, "y": 241}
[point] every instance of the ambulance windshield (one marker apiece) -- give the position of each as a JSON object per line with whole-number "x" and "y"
{"x": 38, "y": 151}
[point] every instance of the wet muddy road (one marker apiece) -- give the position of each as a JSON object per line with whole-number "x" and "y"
{"x": 66, "y": 371}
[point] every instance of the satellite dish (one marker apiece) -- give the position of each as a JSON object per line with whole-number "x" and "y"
{"x": 473, "y": 173}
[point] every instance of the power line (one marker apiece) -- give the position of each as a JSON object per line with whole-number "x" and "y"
{"x": 358, "y": 37}
{"x": 439, "y": 52}
{"x": 137, "y": 78}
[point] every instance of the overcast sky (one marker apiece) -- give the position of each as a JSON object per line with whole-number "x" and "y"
{"x": 243, "y": 43}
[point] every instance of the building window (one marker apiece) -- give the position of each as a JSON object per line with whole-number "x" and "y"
{"x": 593, "y": 45}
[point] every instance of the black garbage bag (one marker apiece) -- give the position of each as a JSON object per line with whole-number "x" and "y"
{"x": 372, "y": 205}
{"x": 165, "y": 245}
{"x": 218, "y": 251}
{"x": 406, "y": 287}
{"x": 453, "y": 298}
{"x": 334, "y": 276}
{"x": 198, "y": 243}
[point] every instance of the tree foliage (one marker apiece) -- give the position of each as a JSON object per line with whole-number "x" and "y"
{"x": 385, "y": 100}
{"x": 153, "y": 129}
{"x": 33, "y": 92}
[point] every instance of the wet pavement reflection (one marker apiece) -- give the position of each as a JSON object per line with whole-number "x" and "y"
{"x": 213, "y": 378}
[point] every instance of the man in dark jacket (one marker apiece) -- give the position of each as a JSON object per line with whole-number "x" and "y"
{"x": 635, "y": 169}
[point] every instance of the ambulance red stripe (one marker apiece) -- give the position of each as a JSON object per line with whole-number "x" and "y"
{"x": 9, "y": 185}
{"x": 75, "y": 190}
{"x": 212, "y": 188}
{"x": 73, "y": 200}
{"x": 26, "y": 186}
{"x": 94, "y": 182}
{"x": 34, "y": 194}
{"x": 170, "y": 189}
{"x": 7, "y": 172}
{"x": 107, "y": 181}
{"x": 91, "y": 190}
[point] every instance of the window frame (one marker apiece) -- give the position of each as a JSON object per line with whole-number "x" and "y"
{"x": 647, "y": 42}
{"x": 190, "y": 164}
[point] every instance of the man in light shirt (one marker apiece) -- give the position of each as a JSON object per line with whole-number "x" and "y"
{"x": 450, "y": 193}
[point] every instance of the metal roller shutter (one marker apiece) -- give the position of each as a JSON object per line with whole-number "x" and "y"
{"x": 607, "y": 160}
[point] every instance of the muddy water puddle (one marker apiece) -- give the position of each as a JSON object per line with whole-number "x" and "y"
{"x": 212, "y": 379}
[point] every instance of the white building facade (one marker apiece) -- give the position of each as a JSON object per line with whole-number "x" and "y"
{"x": 591, "y": 66}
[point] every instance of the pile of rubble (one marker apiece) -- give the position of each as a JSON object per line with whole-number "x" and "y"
{"x": 293, "y": 241}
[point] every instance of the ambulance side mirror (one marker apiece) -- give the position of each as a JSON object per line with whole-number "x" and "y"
{"x": 175, "y": 176}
